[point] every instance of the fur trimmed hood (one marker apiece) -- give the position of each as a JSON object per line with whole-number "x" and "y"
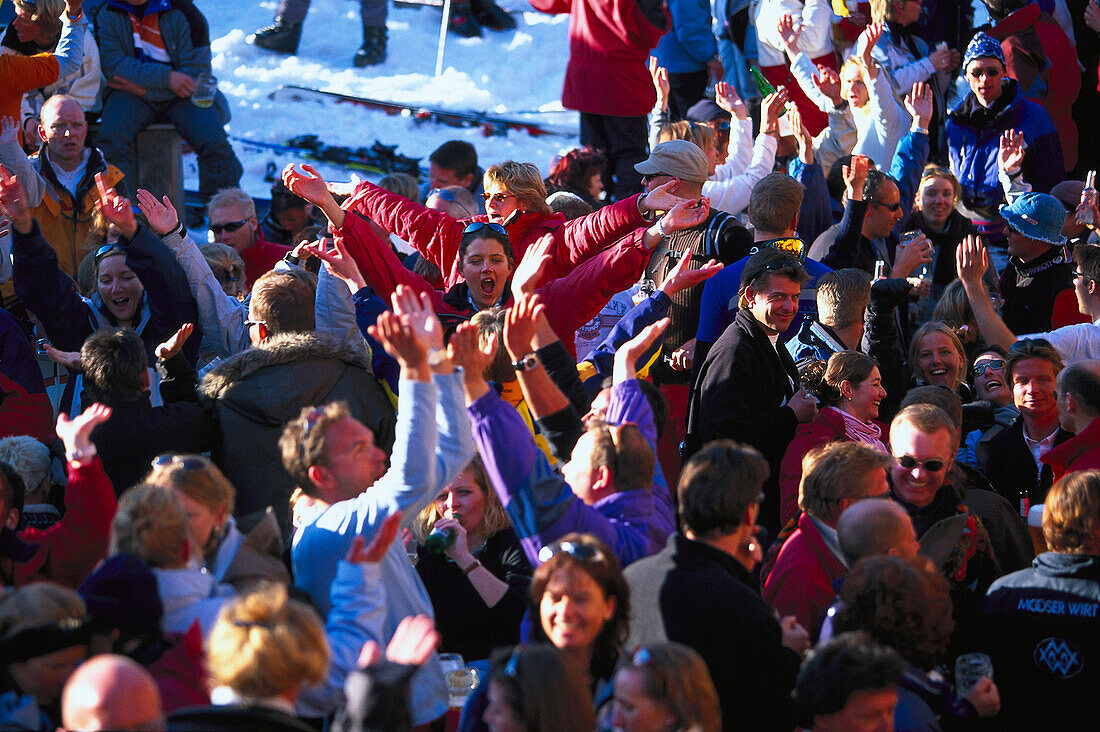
{"x": 309, "y": 364}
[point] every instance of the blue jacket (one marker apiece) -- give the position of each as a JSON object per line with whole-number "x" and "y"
{"x": 973, "y": 135}
{"x": 690, "y": 43}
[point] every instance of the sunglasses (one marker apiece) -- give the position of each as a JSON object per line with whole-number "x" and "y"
{"x": 1082, "y": 275}
{"x": 992, "y": 73}
{"x": 444, "y": 193}
{"x": 496, "y": 197}
{"x": 580, "y": 552}
{"x": 477, "y": 226}
{"x": 933, "y": 465}
{"x": 652, "y": 176}
{"x": 106, "y": 249}
{"x": 187, "y": 463}
{"x": 891, "y": 206}
{"x": 250, "y": 323}
{"x": 992, "y": 364}
{"x": 228, "y": 227}
{"x": 791, "y": 245}
{"x": 641, "y": 657}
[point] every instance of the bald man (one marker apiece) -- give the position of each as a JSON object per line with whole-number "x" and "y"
{"x": 1078, "y": 395}
{"x": 873, "y": 528}
{"x": 60, "y": 178}
{"x": 111, "y": 693}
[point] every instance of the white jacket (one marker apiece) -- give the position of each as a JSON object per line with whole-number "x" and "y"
{"x": 816, "y": 17}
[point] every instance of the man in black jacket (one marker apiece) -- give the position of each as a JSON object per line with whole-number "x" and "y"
{"x": 1040, "y": 624}
{"x": 699, "y": 591}
{"x": 747, "y": 387}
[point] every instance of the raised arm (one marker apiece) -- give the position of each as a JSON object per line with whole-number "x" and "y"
{"x": 972, "y": 262}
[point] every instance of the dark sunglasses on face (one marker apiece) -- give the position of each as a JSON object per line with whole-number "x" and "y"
{"x": 227, "y": 227}
{"x": 496, "y": 197}
{"x": 932, "y": 465}
{"x": 892, "y": 206}
{"x": 993, "y": 363}
{"x": 477, "y": 226}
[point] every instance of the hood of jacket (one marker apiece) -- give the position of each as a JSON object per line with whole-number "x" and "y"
{"x": 250, "y": 383}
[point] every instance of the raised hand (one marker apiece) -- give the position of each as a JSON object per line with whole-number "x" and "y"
{"x": 727, "y": 98}
{"x": 467, "y": 351}
{"x": 686, "y": 214}
{"x": 115, "y": 208}
{"x": 9, "y": 130}
{"x": 971, "y": 260}
{"x": 337, "y": 261}
{"x": 919, "y": 104}
{"x": 871, "y": 35}
{"x": 399, "y": 341}
{"x": 772, "y": 109}
{"x": 683, "y": 276}
{"x": 827, "y": 82}
{"x": 944, "y": 59}
{"x": 1010, "y": 153}
{"x": 1092, "y": 16}
{"x": 413, "y": 641}
{"x": 789, "y": 33}
{"x": 910, "y": 255}
{"x": 161, "y": 215}
{"x": 855, "y": 175}
{"x": 76, "y": 433}
{"x": 521, "y": 322}
{"x": 304, "y": 181}
{"x": 801, "y": 135}
{"x": 416, "y": 312}
{"x": 359, "y": 553}
{"x": 529, "y": 271}
{"x": 172, "y": 347}
{"x": 628, "y": 353}
{"x": 659, "y": 75}
{"x": 68, "y": 359}
{"x": 13, "y": 201}
{"x": 662, "y": 198}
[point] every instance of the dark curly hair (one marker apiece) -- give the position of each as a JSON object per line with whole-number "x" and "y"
{"x": 901, "y": 603}
{"x": 603, "y": 567}
{"x": 572, "y": 171}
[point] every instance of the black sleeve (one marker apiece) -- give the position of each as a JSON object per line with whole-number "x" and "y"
{"x": 562, "y": 369}
{"x": 845, "y": 249}
{"x": 48, "y": 292}
{"x": 882, "y": 342}
{"x": 734, "y": 242}
{"x": 562, "y": 429}
{"x": 178, "y": 380}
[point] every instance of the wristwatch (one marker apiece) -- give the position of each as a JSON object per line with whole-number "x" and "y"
{"x": 527, "y": 363}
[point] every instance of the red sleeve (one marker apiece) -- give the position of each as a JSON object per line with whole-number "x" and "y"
{"x": 19, "y": 74}
{"x": 1065, "y": 310}
{"x": 573, "y": 300}
{"x": 24, "y": 414}
{"x": 586, "y": 236}
{"x": 381, "y": 268}
{"x": 552, "y": 6}
{"x": 790, "y": 471}
{"x": 435, "y": 235}
{"x": 78, "y": 541}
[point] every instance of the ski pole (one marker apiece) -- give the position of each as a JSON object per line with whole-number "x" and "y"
{"x": 442, "y": 38}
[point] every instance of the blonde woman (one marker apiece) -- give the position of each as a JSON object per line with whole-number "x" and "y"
{"x": 478, "y": 585}
{"x": 938, "y": 358}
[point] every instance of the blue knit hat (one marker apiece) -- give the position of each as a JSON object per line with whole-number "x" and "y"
{"x": 1037, "y": 216}
{"x": 983, "y": 45}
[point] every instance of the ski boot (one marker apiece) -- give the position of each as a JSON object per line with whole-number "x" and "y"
{"x": 492, "y": 16}
{"x": 373, "y": 50}
{"x": 281, "y": 37}
{"x": 462, "y": 21}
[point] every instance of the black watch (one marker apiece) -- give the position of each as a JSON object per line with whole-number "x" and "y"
{"x": 526, "y": 363}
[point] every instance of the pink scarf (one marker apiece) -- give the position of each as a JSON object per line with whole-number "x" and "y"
{"x": 868, "y": 433}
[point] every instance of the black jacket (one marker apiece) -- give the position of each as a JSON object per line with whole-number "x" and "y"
{"x": 741, "y": 394}
{"x": 697, "y": 595}
{"x": 1029, "y": 290}
{"x": 1042, "y": 633}
{"x": 1011, "y": 467}
{"x": 256, "y": 392}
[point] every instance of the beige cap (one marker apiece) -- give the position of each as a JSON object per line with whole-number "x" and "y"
{"x": 679, "y": 158}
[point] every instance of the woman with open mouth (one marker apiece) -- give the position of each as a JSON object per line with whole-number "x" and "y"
{"x": 132, "y": 259}
{"x": 993, "y": 392}
{"x": 938, "y": 358}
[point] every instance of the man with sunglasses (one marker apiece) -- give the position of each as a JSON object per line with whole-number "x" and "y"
{"x": 233, "y": 222}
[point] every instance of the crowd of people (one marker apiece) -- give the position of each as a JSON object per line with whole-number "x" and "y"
{"x": 701, "y": 430}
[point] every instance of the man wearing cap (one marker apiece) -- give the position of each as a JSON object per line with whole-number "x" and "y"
{"x": 1037, "y": 282}
{"x": 995, "y": 104}
{"x": 720, "y": 236}
{"x": 288, "y": 215}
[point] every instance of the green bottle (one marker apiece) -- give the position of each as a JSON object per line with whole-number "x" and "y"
{"x": 763, "y": 85}
{"x": 439, "y": 540}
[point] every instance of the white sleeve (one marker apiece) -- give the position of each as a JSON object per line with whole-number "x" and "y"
{"x": 733, "y": 195}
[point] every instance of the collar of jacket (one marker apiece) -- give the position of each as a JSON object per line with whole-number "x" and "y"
{"x": 153, "y": 6}
{"x": 704, "y": 551}
{"x": 971, "y": 113}
{"x": 277, "y": 350}
{"x": 96, "y": 164}
{"x": 1054, "y": 256}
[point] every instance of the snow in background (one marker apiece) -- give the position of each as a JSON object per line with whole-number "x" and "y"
{"x": 499, "y": 73}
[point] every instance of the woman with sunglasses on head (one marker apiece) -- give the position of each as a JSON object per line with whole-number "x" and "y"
{"x": 486, "y": 268}
{"x": 139, "y": 285}
{"x": 207, "y": 497}
{"x": 849, "y": 391}
{"x": 665, "y": 687}
{"x": 536, "y": 689}
{"x": 478, "y": 583}
{"x": 515, "y": 198}
{"x": 992, "y": 410}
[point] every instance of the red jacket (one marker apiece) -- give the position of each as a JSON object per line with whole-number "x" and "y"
{"x": 261, "y": 258}
{"x": 69, "y": 550}
{"x": 609, "y": 45}
{"x": 570, "y": 301}
{"x": 1080, "y": 452}
{"x": 826, "y": 427}
{"x": 801, "y": 582}
{"x": 1040, "y": 56}
{"x": 437, "y": 236}
{"x": 25, "y": 414}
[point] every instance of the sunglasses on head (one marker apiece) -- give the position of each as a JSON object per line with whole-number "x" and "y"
{"x": 106, "y": 249}
{"x": 790, "y": 244}
{"x": 444, "y": 193}
{"x": 227, "y": 227}
{"x": 476, "y": 226}
{"x": 581, "y": 552}
{"x": 993, "y": 363}
{"x": 187, "y": 463}
{"x": 932, "y": 465}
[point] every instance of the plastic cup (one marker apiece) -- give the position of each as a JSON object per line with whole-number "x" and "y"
{"x": 1035, "y": 528}
{"x": 970, "y": 668}
{"x": 206, "y": 86}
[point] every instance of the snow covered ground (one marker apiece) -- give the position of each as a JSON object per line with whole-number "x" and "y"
{"x": 500, "y": 73}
